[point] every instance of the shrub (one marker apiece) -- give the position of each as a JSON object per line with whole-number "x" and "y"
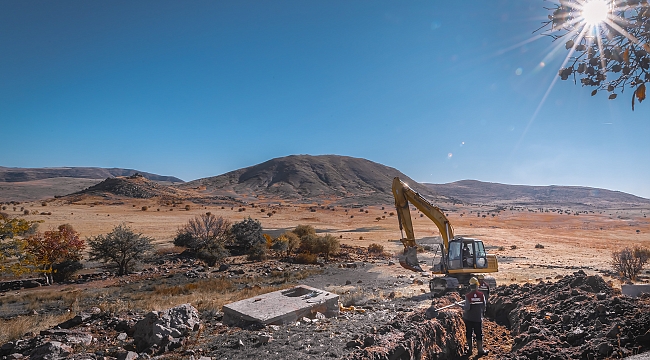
{"x": 144, "y": 208}
{"x": 206, "y": 236}
{"x": 248, "y": 238}
{"x": 187, "y": 207}
{"x": 306, "y": 258}
{"x": 512, "y": 247}
{"x": 258, "y": 252}
{"x": 65, "y": 271}
{"x": 375, "y": 249}
{"x": 281, "y": 243}
{"x": 293, "y": 241}
{"x": 539, "y": 246}
{"x": 328, "y": 245}
{"x": 309, "y": 243}
{"x": 25, "y": 212}
{"x": 122, "y": 246}
{"x": 629, "y": 262}
{"x": 304, "y": 230}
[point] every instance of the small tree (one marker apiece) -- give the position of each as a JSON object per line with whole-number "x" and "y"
{"x": 121, "y": 246}
{"x": 629, "y": 262}
{"x": 249, "y": 239}
{"x": 206, "y": 235}
{"x": 54, "y": 247}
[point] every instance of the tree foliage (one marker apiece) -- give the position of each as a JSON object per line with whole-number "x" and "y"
{"x": 122, "y": 246}
{"x": 206, "y": 236}
{"x": 249, "y": 239}
{"x": 629, "y": 262}
{"x": 612, "y": 56}
{"x": 54, "y": 247}
{"x": 13, "y": 257}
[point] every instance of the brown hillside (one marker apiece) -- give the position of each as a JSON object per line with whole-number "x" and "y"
{"x": 306, "y": 178}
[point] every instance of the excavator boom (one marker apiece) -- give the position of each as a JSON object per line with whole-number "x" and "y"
{"x": 403, "y": 195}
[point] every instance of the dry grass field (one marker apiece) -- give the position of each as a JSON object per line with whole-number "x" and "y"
{"x": 584, "y": 240}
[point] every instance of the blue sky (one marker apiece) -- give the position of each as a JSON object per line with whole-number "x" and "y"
{"x": 438, "y": 90}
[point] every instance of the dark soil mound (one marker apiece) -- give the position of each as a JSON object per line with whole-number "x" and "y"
{"x": 414, "y": 337}
{"x": 579, "y": 316}
{"x": 135, "y": 186}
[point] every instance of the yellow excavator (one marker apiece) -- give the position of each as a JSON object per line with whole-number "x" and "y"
{"x": 460, "y": 257}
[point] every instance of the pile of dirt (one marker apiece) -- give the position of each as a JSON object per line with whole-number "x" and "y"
{"x": 578, "y": 316}
{"x": 414, "y": 336}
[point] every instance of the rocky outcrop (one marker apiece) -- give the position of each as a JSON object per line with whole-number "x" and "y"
{"x": 166, "y": 330}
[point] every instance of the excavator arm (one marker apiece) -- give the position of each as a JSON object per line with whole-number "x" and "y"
{"x": 403, "y": 195}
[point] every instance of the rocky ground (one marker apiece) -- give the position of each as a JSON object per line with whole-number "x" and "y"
{"x": 575, "y": 316}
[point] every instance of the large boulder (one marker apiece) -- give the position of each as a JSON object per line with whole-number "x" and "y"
{"x": 169, "y": 327}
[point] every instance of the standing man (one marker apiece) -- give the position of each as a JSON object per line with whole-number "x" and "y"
{"x": 473, "y": 311}
{"x": 484, "y": 288}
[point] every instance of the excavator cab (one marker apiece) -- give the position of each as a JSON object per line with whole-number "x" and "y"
{"x": 466, "y": 253}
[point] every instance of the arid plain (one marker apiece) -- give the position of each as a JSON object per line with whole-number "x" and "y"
{"x": 567, "y": 239}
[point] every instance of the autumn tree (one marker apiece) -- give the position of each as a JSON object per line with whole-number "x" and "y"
{"x": 54, "y": 247}
{"x": 206, "y": 236}
{"x": 608, "y": 44}
{"x": 12, "y": 245}
{"x": 122, "y": 247}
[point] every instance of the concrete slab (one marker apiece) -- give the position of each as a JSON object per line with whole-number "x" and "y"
{"x": 281, "y": 307}
{"x": 635, "y": 290}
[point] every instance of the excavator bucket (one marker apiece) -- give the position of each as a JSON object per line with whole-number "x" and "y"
{"x": 409, "y": 260}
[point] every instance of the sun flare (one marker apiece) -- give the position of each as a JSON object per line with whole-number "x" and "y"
{"x": 595, "y": 12}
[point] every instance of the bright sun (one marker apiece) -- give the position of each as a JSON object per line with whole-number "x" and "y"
{"x": 595, "y": 11}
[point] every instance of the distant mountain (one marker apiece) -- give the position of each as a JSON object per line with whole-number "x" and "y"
{"x": 30, "y": 174}
{"x": 478, "y": 192}
{"x": 306, "y": 178}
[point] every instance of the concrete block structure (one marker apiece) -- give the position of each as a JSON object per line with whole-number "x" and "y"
{"x": 634, "y": 290}
{"x": 281, "y": 307}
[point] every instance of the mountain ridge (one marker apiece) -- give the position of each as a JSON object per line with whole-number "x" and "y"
{"x": 303, "y": 178}
{"x": 480, "y": 192}
{"x": 8, "y": 174}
